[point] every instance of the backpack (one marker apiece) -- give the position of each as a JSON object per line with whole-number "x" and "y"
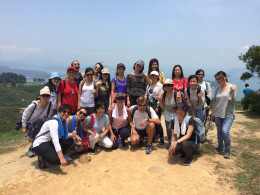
{"x": 198, "y": 91}
{"x": 85, "y": 140}
{"x": 199, "y": 129}
{"x": 35, "y": 127}
{"x": 175, "y": 95}
{"x": 148, "y": 111}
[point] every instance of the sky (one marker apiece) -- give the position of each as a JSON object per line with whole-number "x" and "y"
{"x": 207, "y": 34}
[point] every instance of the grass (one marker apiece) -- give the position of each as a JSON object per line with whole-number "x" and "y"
{"x": 248, "y": 159}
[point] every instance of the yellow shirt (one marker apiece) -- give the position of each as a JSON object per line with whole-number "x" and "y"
{"x": 161, "y": 78}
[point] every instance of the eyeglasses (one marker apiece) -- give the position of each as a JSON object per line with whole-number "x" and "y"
{"x": 46, "y": 95}
{"x": 200, "y": 74}
{"x": 66, "y": 112}
{"x": 82, "y": 113}
{"x": 142, "y": 105}
{"x": 101, "y": 108}
{"x": 120, "y": 98}
{"x": 169, "y": 85}
{"x": 89, "y": 75}
{"x": 57, "y": 79}
{"x": 219, "y": 79}
{"x": 98, "y": 67}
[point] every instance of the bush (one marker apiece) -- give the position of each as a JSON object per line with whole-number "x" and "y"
{"x": 253, "y": 100}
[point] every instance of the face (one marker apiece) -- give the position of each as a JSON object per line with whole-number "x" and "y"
{"x": 138, "y": 67}
{"x": 71, "y": 74}
{"x": 76, "y": 65}
{"x": 193, "y": 83}
{"x": 105, "y": 76}
{"x": 220, "y": 79}
{"x": 154, "y": 66}
{"x": 101, "y": 110}
{"x": 154, "y": 78}
{"x": 168, "y": 87}
{"x": 81, "y": 114}
{"x": 120, "y": 100}
{"x": 97, "y": 68}
{"x": 200, "y": 76}
{"x": 121, "y": 71}
{"x": 45, "y": 98}
{"x": 177, "y": 71}
{"x": 55, "y": 81}
{"x": 180, "y": 113}
{"x": 64, "y": 114}
{"x": 89, "y": 75}
{"x": 142, "y": 106}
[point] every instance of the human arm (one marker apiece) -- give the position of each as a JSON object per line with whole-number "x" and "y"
{"x": 112, "y": 135}
{"x": 63, "y": 162}
{"x": 162, "y": 79}
{"x": 128, "y": 89}
{"x": 113, "y": 85}
{"x": 79, "y": 93}
{"x": 26, "y": 115}
{"x": 161, "y": 100}
{"x": 233, "y": 93}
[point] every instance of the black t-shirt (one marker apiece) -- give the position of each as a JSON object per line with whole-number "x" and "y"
{"x": 191, "y": 122}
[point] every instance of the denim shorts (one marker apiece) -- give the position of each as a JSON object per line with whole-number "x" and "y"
{"x": 141, "y": 133}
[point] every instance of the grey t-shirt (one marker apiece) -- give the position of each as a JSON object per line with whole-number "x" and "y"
{"x": 224, "y": 103}
{"x": 99, "y": 123}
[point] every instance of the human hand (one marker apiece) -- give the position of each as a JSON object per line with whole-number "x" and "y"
{"x": 200, "y": 93}
{"x": 78, "y": 138}
{"x": 63, "y": 162}
{"x": 128, "y": 104}
{"x": 24, "y": 130}
{"x": 113, "y": 137}
{"x": 143, "y": 122}
{"x": 134, "y": 132}
{"x": 232, "y": 88}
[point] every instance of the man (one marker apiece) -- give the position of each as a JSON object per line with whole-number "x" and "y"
{"x": 246, "y": 91}
{"x": 145, "y": 119}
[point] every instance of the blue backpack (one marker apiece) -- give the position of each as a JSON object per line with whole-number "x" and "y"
{"x": 199, "y": 129}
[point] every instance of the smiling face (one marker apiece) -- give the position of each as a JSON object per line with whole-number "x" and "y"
{"x": 44, "y": 98}
{"x": 76, "y": 65}
{"x": 120, "y": 71}
{"x": 177, "y": 72}
{"x": 221, "y": 80}
{"x": 155, "y": 66}
{"x": 64, "y": 114}
{"x": 180, "y": 113}
{"x": 55, "y": 81}
{"x": 200, "y": 76}
{"x": 71, "y": 74}
{"x": 81, "y": 114}
{"x": 100, "y": 110}
{"x": 89, "y": 76}
{"x": 167, "y": 87}
{"x": 97, "y": 68}
{"x": 138, "y": 67}
{"x": 193, "y": 83}
{"x": 154, "y": 78}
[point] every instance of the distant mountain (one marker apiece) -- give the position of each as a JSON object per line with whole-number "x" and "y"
{"x": 26, "y": 73}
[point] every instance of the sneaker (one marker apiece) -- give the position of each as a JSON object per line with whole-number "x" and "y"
{"x": 161, "y": 141}
{"x": 148, "y": 149}
{"x": 227, "y": 155}
{"x": 42, "y": 163}
{"x": 168, "y": 146}
{"x": 92, "y": 150}
{"x": 188, "y": 161}
{"x": 31, "y": 153}
{"x": 67, "y": 157}
{"x": 218, "y": 150}
{"x": 97, "y": 145}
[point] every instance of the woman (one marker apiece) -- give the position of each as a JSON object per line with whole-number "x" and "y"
{"x": 223, "y": 112}
{"x": 184, "y": 126}
{"x": 53, "y": 140}
{"x": 41, "y": 108}
{"x": 104, "y": 88}
{"x": 97, "y": 71}
{"x": 96, "y": 133}
{"x": 119, "y": 118}
{"x": 168, "y": 101}
{"x": 136, "y": 83}
{"x": 180, "y": 83}
{"x": 52, "y": 84}
{"x": 68, "y": 90}
{"x": 195, "y": 98}
{"x": 118, "y": 83}
{"x": 75, "y": 122}
{"x": 78, "y": 76}
{"x": 152, "y": 91}
{"x": 87, "y": 92}
{"x": 206, "y": 86}
{"x": 154, "y": 66}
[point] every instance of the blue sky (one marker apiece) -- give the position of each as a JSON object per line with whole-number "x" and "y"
{"x": 208, "y": 34}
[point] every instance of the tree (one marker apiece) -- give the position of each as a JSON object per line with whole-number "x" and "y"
{"x": 13, "y": 78}
{"x": 252, "y": 60}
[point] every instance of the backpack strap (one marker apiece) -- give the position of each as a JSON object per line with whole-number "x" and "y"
{"x": 198, "y": 91}
{"x": 188, "y": 91}
{"x": 183, "y": 84}
{"x": 148, "y": 111}
{"x": 174, "y": 95}
{"x": 133, "y": 111}
{"x": 64, "y": 83}
{"x": 32, "y": 112}
{"x": 49, "y": 108}
{"x": 92, "y": 122}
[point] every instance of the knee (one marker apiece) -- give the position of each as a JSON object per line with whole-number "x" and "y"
{"x": 151, "y": 126}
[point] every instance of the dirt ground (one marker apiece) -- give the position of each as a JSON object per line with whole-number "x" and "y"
{"x": 127, "y": 171}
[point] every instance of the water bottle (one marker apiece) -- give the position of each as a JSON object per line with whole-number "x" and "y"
{"x": 120, "y": 144}
{"x": 25, "y": 136}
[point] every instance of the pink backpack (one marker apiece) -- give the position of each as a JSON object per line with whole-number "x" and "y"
{"x": 85, "y": 140}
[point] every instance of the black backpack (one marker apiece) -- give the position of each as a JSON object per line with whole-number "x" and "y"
{"x": 35, "y": 127}
{"x": 148, "y": 111}
{"x": 175, "y": 95}
{"x": 198, "y": 91}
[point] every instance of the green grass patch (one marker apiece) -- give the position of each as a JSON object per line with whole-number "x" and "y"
{"x": 250, "y": 126}
{"x": 206, "y": 149}
{"x": 239, "y": 106}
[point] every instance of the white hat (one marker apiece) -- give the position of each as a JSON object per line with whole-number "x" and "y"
{"x": 45, "y": 90}
{"x": 154, "y": 73}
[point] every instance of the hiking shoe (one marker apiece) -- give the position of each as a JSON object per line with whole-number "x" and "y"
{"x": 141, "y": 143}
{"x": 42, "y": 163}
{"x": 218, "y": 150}
{"x": 227, "y": 155}
{"x": 97, "y": 145}
{"x": 161, "y": 141}
{"x": 148, "y": 149}
{"x": 188, "y": 161}
{"x": 92, "y": 150}
{"x": 30, "y": 153}
{"x": 67, "y": 157}
{"x": 168, "y": 146}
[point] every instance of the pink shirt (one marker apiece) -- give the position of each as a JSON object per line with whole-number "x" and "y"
{"x": 119, "y": 122}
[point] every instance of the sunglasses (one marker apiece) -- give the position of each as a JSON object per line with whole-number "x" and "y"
{"x": 169, "y": 85}
{"x": 82, "y": 113}
{"x": 98, "y": 67}
{"x": 101, "y": 108}
{"x": 46, "y": 95}
{"x": 65, "y": 111}
{"x": 120, "y": 98}
{"x": 89, "y": 75}
{"x": 76, "y": 64}
{"x": 142, "y": 105}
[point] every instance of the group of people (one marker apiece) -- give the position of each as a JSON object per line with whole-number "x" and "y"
{"x": 89, "y": 110}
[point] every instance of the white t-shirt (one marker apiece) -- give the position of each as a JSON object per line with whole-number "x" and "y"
{"x": 139, "y": 116}
{"x": 87, "y": 97}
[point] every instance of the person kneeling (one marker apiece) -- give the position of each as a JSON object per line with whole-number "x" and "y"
{"x": 52, "y": 141}
{"x": 186, "y": 143}
{"x": 145, "y": 119}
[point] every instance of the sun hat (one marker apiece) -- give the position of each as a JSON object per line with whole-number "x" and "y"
{"x": 54, "y": 75}
{"x": 118, "y": 95}
{"x": 45, "y": 90}
{"x": 140, "y": 62}
{"x": 71, "y": 68}
{"x": 168, "y": 81}
{"x": 154, "y": 72}
{"x": 105, "y": 71}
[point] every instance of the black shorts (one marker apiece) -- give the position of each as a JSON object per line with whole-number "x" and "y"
{"x": 141, "y": 133}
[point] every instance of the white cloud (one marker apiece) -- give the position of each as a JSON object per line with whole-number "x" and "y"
{"x": 14, "y": 48}
{"x": 244, "y": 48}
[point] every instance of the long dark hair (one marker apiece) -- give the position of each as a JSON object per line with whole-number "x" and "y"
{"x": 150, "y": 66}
{"x": 52, "y": 87}
{"x": 173, "y": 74}
{"x": 222, "y": 73}
{"x": 101, "y": 66}
{"x": 108, "y": 80}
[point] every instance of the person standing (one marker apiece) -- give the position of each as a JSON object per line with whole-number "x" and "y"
{"x": 246, "y": 91}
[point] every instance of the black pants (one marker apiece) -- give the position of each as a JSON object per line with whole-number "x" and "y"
{"x": 159, "y": 128}
{"x": 187, "y": 147}
{"x": 124, "y": 133}
{"x": 48, "y": 153}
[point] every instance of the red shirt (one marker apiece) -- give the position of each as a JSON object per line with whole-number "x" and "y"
{"x": 69, "y": 94}
{"x": 178, "y": 85}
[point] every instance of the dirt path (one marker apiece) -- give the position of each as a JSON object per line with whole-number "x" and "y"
{"x": 128, "y": 171}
